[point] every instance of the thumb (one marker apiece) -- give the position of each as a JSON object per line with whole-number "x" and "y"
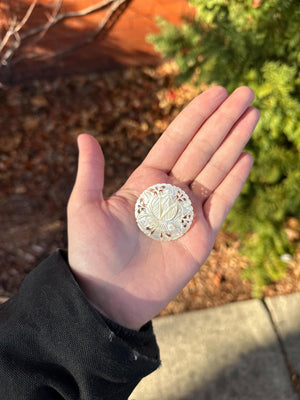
{"x": 90, "y": 174}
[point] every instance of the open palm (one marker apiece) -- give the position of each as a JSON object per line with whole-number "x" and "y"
{"x": 124, "y": 273}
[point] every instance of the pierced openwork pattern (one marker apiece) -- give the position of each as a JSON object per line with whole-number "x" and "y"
{"x": 164, "y": 212}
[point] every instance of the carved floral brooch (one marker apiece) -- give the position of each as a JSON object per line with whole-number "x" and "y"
{"x": 164, "y": 212}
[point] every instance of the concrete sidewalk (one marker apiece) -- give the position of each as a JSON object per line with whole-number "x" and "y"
{"x": 240, "y": 351}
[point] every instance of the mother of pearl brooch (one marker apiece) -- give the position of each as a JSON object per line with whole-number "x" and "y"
{"x": 164, "y": 212}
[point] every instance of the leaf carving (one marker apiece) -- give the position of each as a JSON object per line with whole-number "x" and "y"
{"x": 170, "y": 209}
{"x": 164, "y": 212}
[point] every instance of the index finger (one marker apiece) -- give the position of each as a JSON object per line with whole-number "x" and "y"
{"x": 180, "y": 132}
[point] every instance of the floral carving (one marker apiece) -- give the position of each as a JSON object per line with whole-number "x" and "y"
{"x": 164, "y": 212}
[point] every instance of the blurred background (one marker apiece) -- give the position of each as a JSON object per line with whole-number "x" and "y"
{"x": 121, "y": 71}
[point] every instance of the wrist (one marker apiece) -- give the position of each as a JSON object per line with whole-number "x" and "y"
{"x": 107, "y": 300}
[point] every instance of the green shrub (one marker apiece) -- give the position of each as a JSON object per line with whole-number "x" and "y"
{"x": 254, "y": 43}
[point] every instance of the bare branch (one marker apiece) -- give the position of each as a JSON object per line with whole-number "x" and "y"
{"x": 72, "y": 14}
{"x": 51, "y": 17}
{"x": 14, "y": 28}
{"x": 56, "y": 8}
{"x": 26, "y": 16}
{"x": 103, "y": 27}
{"x": 14, "y": 42}
{"x": 8, "y": 34}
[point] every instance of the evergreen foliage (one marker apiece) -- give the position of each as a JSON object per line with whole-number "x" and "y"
{"x": 254, "y": 43}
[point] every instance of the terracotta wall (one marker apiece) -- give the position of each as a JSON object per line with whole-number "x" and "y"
{"x": 124, "y": 45}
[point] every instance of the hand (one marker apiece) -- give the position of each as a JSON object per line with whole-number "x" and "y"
{"x": 125, "y": 274}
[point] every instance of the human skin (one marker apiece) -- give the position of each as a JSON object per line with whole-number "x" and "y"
{"x": 125, "y": 274}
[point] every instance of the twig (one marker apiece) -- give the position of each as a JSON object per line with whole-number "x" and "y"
{"x": 42, "y": 29}
{"x": 103, "y": 27}
{"x": 26, "y": 16}
{"x": 13, "y": 31}
{"x": 47, "y": 26}
{"x": 14, "y": 41}
{"x": 8, "y": 34}
{"x": 15, "y": 27}
{"x": 72, "y": 14}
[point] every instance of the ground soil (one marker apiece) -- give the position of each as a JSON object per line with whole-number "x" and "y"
{"x": 126, "y": 111}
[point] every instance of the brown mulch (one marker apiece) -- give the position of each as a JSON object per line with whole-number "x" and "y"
{"x": 126, "y": 111}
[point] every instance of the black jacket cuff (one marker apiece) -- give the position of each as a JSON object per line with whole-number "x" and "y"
{"x": 51, "y": 336}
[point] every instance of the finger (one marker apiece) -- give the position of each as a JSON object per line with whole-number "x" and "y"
{"x": 211, "y": 135}
{"x": 228, "y": 153}
{"x": 90, "y": 173}
{"x": 221, "y": 200}
{"x": 172, "y": 143}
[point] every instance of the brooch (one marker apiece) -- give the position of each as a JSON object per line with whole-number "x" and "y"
{"x": 164, "y": 212}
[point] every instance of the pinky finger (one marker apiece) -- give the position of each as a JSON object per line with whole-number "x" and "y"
{"x": 221, "y": 200}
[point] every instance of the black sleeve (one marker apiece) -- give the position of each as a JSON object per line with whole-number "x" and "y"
{"x": 55, "y": 345}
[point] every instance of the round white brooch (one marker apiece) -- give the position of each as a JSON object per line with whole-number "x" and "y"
{"x": 164, "y": 212}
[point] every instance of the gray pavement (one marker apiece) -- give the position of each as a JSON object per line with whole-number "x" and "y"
{"x": 239, "y": 351}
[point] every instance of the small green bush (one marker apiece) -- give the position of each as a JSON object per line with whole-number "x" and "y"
{"x": 254, "y": 43}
